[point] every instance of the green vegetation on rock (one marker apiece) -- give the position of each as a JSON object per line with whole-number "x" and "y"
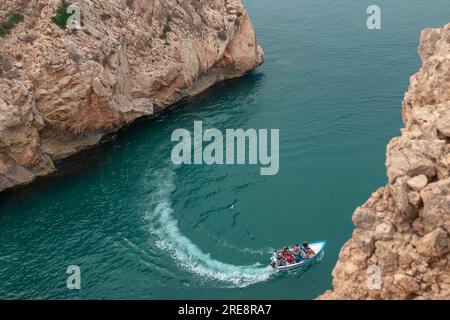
{"x": 10, "y": 23}
{"x": 61, "y": 15}
{"x": 105, "y": 16}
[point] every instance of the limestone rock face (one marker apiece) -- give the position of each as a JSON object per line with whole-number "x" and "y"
{"x": 400, "y": 248}
{"x": 62, "y": 91}
{"x": 418, "y": 183}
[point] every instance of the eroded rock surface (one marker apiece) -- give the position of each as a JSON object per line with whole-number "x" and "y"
{"x": 400, "y": 247}
{"x": 62, "y": 91}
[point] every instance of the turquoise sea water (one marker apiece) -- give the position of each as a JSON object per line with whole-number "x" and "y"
{"x": 139, "y": 227}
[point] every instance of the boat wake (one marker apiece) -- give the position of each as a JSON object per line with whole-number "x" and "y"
{"x": 187, "y": 255}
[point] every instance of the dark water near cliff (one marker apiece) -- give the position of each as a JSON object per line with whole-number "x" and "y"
{"x": 139, "y": 228}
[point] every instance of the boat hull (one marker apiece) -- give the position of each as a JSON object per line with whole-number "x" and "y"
{"x": 318, "y": 247}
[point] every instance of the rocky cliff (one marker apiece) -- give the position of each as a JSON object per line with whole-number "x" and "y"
{"x": 400, "y": 247}
{"x": 63, "y": 91}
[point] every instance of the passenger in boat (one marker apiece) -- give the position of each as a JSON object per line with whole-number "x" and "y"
{"x": 289, "y": 258}
{"x": 280, "y": 259}
{"x": 302, "y": 252}
{"x": 307, "y": 250}
{"x": 287, "y": 255}
{"x": 274, "y": 262}
{"x": 297, "y": 254}
{"x": 279, "y": 255}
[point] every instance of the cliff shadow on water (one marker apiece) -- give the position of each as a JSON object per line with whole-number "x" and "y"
{"x": 155, "y": 129}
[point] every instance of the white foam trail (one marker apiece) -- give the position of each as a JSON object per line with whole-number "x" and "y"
{"x": 184, "y": 251}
